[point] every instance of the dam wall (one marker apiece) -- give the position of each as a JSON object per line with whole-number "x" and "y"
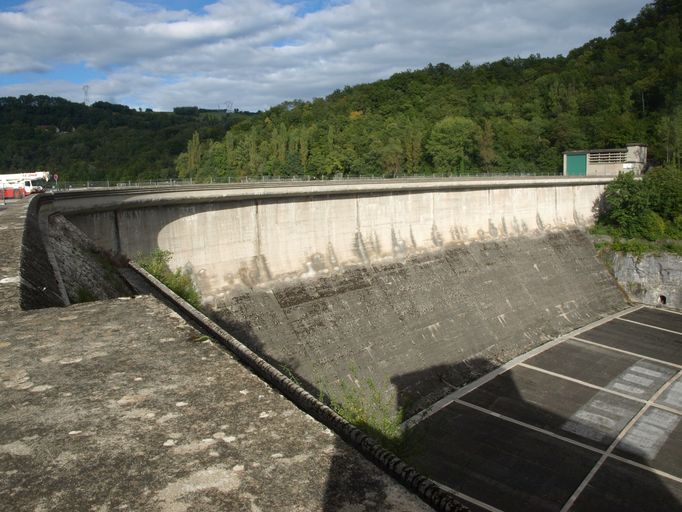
{"x": 235, "y": 240}
{"x": 408, "y": 289}
{"x": 419, "y": 328}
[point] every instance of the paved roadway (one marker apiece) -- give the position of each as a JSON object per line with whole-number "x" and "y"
{"x": 590, "y": 422}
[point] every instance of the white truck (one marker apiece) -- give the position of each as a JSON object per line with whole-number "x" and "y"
{"x": 30, "y": 182}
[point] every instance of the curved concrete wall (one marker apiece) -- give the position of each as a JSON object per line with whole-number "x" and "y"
{"x": 235, "y": 239}
{"x": 416, "y": 286}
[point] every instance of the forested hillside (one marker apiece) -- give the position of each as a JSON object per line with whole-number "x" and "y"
{"x": 513, "y": 115}
{"x": 101, "y": 141}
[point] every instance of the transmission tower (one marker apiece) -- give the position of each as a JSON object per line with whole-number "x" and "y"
{"x": 86, "y": 98}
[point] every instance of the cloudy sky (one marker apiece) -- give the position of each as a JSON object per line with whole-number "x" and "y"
{"x": 252, "y": 54}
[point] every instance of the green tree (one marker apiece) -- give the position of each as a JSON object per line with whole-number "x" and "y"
{"x": 412, "y": 143}
{"x": 663, "y": 187}
{"x": 625, "y": 203}
{"x": 486, "y": 148}
{"x": 452, "y": 144}
{"x": 193, "y": 156}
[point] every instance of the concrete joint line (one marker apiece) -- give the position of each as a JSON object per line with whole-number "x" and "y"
{"x": 650, "y": 326}
{"x": 476, "y": 502}
{"x": 529, "y": 426}
{"x": 668, "y": 310}
{"x": 639, "y": 465}
{"x": 616, "y": 441}
{"x": 572, "y": 441}
{"x": 599, "y": 388}
{"x": 627, "y": 352}
{"x": 455, "y": 395}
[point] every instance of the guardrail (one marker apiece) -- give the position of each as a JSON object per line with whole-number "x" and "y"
{"x": 171, "y": 182}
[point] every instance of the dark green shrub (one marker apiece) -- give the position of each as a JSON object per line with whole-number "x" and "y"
{"x": 663, "y": 188}
{"x": 674, "y": 228}
{"x": 650, "y": 208}
{"x": 651, "y": 226}
{"x": 634, "y": 246}
{"x": 624, "y": 204}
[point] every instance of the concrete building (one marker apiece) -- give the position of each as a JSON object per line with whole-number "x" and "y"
{"x": 605, "y": 162}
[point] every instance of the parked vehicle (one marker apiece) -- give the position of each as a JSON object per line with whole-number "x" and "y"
{"x": 29, "y": 182}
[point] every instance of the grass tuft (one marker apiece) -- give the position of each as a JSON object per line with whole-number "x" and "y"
{"x": 180, "y": 282}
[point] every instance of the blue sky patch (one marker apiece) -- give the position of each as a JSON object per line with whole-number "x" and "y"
{"x": 77, "y": 73}
{"x": 304, "y": 7}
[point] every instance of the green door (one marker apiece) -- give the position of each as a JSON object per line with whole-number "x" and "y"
{"x": 576, "y": 165}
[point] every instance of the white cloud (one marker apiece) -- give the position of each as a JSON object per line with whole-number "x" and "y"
{"x": 260, "y": 53}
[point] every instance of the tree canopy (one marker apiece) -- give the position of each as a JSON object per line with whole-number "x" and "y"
{"x": 100, "y": 141}
{"x": 515, "y": 115}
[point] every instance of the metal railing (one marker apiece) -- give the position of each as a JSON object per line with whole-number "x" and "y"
{"x": 218, "y": 180}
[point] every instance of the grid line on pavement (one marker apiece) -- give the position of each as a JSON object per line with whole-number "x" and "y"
{"x": 569, "y": 503}
{"x": 600, "y": 388}
{"x": 649, "y": 325}
{"x": 452, "y": 397}
{"x": 660, "y": 361}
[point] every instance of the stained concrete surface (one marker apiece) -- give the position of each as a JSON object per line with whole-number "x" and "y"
{"x": 233, "y": 238}
{"x": 11, "y": 230}
{"x": 409, "y": 325}
{"x": 121, "y": 405}
{"x": 578, "y": 426}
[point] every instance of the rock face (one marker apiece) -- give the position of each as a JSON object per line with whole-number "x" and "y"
{"x": 417, "y": 328}
{"x": 650, "y": 279}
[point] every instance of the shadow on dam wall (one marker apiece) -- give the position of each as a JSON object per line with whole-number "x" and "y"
{"x": 388, "y": 323}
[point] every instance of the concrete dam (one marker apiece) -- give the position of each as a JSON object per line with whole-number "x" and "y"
{"x": 474, "y": 311}
{"x": 415, "y": 288}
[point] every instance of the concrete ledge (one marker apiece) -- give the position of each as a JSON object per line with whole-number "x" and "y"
{"x": 101, "y": 200}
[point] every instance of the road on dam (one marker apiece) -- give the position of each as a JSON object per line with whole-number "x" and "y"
{"x": 590, "y": 422}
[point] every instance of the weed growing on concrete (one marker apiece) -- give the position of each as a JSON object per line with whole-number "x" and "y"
{"x": 180, "y": 282}
{"x": 366, "y": 407}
